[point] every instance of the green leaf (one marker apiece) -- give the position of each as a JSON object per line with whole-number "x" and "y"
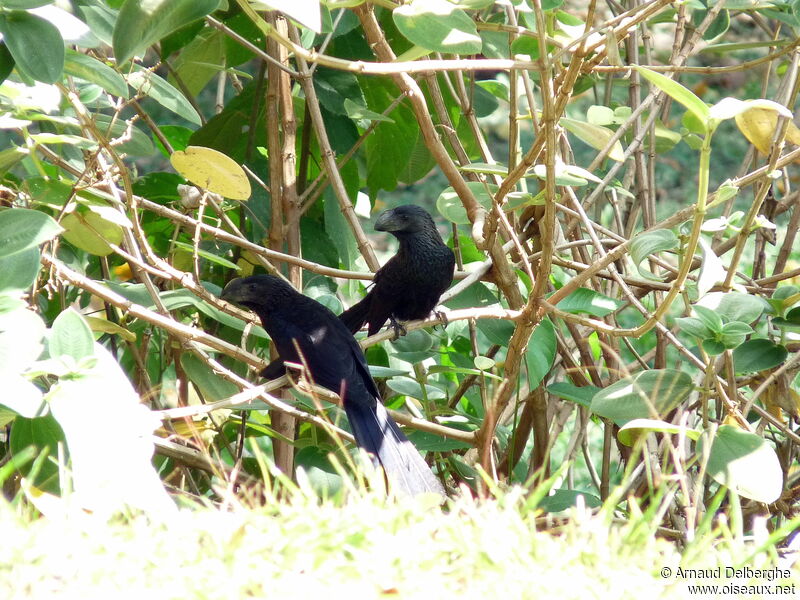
{"x": 24, "y": 4}
{"x": 594, "y": 135}
{"x": 450, "y": 207}
{"x": 734, "y": 306}
{"x": 713, "y": 346}
{"x": 392, "y": 146}
{"x": 44, "y": 435}
{"x": 19, "y": 271}
{"x": 92, "y": 70}
{"x": 586, "y": 301}
{"x": 415, "y": 341}
{"x": 411, "y": 387}
{"x": 321, "y": 474}
{"x": 11, "y": 156}
{"x": 211, "y": 386}
{"x": 566, "y": 174}
{"x": 357, "y": 112}
{"x": 149, "y": 84}
{"x": 339, "y": 230}
{"x": 709, "y": 318}
{"x": 572, "y": 393}
{"x": 758, "y": 355}
{"x": 647, "y": 395}
{"x": 559, "y": 500}
{"x": 650, "y": 242}
{"x": 209, "y": 256}
{"x": 6, "y": 62}
{"x": 733, "y": 334}
{"x": 438, "y": 26}
{"x": 483, "y": 363}
{"x": 134, "y": 141}
{"x": 694, "y": 327}
{"x": 22, "y": 228}
{"x": 35, "y": 44}
{"x": 140, "y": 24}
{"x": 745, "y": 463}
{"x": 482, "y": 167}
{"x": 71, "y": 336}
{"x": 629, "y": 432}
{"x": 91, "y": 232}
{"x": 200, "y": 60}
{"x": 677, "y": 92}
{"x": 541, "y": 352}
{"x": 334, "y": 88}
{"x": 430, "y": 442}
{"x": 497, "y": 331}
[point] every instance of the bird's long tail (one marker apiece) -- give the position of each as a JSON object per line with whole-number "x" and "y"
{"x": 377, "y": 433}
{"x": 355, "y": 316}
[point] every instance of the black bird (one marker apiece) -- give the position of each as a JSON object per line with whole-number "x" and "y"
{"x": 335, "y": 361}
{"x": 411, "y": 283}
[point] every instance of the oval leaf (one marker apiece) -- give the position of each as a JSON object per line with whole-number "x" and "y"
{"x": 35, "y": 44}
{"x": 629, "y": 432}
{"x": 758, "y": 355}
{"x": 449, "y": 204}
{"x": 647, "y": 395}
{"x": 140, "y": 24}
{"x": 71, "y": 336}
{"x": 759, "y": 122}
{"x": 19, "y": 271}
{"x": 745, "y": 463}
{"x": 91, "y": 232}
{"x": 649, "y": 242}
{"x": 149, "y": 84}
{"x": 594, "y": 135}
{"x": 439, "y": 26}
{"x": 92, "y": 70}
{"x": 677, "y": 92}
{"x": 541, "y": 352}
{"x": 22, "y": 228}
{"x": 586, "y": 301}
{"x": 213, "y": 171}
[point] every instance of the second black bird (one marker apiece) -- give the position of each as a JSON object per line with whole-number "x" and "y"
{"x": 306, "y": 332}
{"x": 410, "y": 284}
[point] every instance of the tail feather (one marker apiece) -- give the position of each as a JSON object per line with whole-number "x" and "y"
{"x": 355, "y": 316}
{"x": 378, "y": 434}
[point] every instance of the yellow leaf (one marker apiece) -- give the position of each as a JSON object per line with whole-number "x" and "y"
{"x": 758, "y": 125}
{"x": 213, "y": 171}
{"x": 101, "y": 325}
{"x": 91, "y": 232}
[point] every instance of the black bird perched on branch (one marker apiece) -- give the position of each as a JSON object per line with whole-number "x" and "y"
{"x": 306, "y": 332}
{"x": 411, "y": 283}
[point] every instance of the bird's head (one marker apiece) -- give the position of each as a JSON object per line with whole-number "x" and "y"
{"x": 404, "y": 219}
{"x": 256, "y": 290}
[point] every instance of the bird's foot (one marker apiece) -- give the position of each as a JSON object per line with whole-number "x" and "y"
{"x": 442, "y": 316}
{"x": 397, "y": 327}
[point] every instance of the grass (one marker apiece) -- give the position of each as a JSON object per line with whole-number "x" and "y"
{"x": 361, "y": 546}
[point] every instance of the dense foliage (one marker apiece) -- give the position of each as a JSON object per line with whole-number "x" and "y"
{"x": 624, "y": 324}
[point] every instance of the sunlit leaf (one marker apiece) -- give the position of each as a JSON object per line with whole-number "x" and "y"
{"x": 212, "y": 170}
{"x": 745, "y": 463}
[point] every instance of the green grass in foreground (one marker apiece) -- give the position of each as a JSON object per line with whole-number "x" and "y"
{"x": 362, "y": 547}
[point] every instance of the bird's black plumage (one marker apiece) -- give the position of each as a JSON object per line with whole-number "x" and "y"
{"x": 335, "y": 361}
{"x": 410, "y": 284}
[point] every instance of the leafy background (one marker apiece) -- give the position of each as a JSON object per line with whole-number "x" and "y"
{"x": 618, "y": 187}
